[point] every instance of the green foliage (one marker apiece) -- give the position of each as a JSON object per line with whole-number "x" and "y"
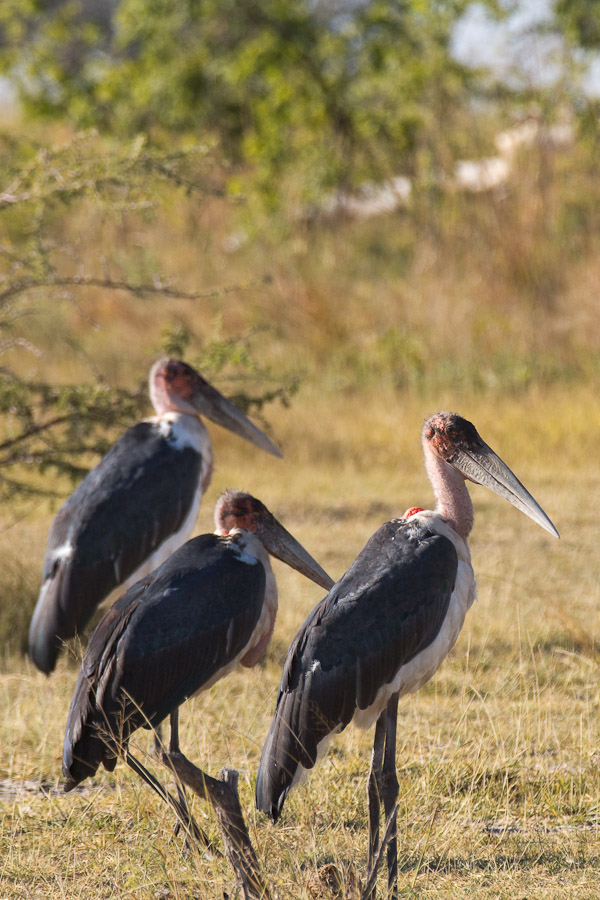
{"x": 298, "y": 98}
{"x": 278, "y": 84}
{"x": 53, "y": 428}
{"x": 56, "y": 428}
{"x": 581, "y": 18}
{"x": 234, "y": 361}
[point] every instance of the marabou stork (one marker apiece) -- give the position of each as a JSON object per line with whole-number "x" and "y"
{"x": 135, "y": 507}
{"x": 385, "y": 627}
{"x": 176, "y": 632}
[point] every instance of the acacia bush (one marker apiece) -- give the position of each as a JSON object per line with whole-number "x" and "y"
{"x": 58, "y": 424}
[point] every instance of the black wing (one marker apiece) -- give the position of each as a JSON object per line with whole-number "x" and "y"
{"x": 89, "y": 728}
{"x": 168, "y": 635}
{"x": 138, "y": 495}
{"x": 388, "y": 606}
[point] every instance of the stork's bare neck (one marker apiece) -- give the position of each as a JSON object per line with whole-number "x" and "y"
{"x": 449, "y": 486}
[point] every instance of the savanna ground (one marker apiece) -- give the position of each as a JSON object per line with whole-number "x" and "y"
{"x": 498, "y": 755}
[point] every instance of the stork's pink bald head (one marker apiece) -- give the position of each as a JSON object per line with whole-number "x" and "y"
{"x": 448, "y": 433}
{"x": 236, "y": 509}
{"x": 175, "y": 387}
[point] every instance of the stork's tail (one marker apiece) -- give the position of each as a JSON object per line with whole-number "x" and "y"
{"x": 49, "y": 628}
{"x": 82, "y": 760}
{"x": 285, "y": 758}
{"x": 274, "y": 780}
{"x": 87, "y": 739}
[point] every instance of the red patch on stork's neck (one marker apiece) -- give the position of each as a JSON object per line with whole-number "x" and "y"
{"x": 412, "y": 511}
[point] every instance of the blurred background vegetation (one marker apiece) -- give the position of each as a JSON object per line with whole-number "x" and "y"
{"x": 347, "y": 214}
{"x": 295, "y": 196}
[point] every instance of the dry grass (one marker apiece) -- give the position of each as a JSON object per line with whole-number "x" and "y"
{"x": 512, "y": 273}
{"x": 497, "y": 756}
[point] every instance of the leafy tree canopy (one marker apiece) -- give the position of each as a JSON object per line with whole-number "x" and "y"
{"x": 278, "y": 84}
{"x": 582, "y": 20}
{"x": 53, "y": 427}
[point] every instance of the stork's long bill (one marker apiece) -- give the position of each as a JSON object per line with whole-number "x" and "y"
{"x": 459, "y": 444}
{"x": 176, "y": 385}
{"x": 282, "y": 545}
{"x": 210, "y": 403}
{"x": 486, "y": 468}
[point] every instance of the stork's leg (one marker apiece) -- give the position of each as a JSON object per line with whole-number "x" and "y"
{"x": 188, "y": 821}
{"x": 174, "y": 748}
{"x": 390, "y": 793}
{"x": 178, "y": 804}
{"x": 374, "y": 788}
{"x": 174, "y": 737}
{"x": 181, "y": 813}
{"x": 158, "y": 749}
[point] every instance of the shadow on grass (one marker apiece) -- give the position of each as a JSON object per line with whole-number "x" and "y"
{"x": 552, "y": 860}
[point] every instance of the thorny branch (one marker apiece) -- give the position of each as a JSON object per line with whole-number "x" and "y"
{"x": 45, "y": 426}
{"x": 19, "y": 287}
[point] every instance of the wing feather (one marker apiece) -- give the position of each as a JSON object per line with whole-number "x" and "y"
{"x": 387, "y": 608}
{"x": 164, "y": 639}
{"x": 138, "y": 495}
